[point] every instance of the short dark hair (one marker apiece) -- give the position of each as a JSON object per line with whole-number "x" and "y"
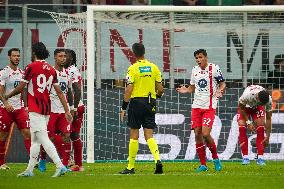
{"x": 263, "y": 96}
{"x": 277, "y": 59}
{"x": 56, "y": 51}
{"x": 73, "y": 55}
{"x": 202, "y": 51}
{"x": 40, "y": 51}
{"x": 138, "y": 49}
{"x": 13, "y": 49}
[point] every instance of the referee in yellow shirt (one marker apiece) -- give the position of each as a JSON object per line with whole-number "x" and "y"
{"x": 144, "y": 85}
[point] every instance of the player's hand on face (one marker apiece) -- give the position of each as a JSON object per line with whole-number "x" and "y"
{"x": 69, "y": 117}
{"x": 122, "y": 114}
{"x": 265, "y": 141}
{"x": 251, "y": 128}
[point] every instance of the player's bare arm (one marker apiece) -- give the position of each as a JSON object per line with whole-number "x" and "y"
{"x": 17, "y": 90}
{"x": 221, "y": 89}
{"x": 25, "y": 98}
{"x": 268, "y": 127}
{"x": 246, "y": 119}
{"x": 8, "y": 106}
{"x": 77, "y": 94}
{"x": 184, "y": 89}
{"x": 77, "y": 97}
{"x": 126, "y": 99}
{"x": 70, "y": 100}
{"x": 64, "y": 103}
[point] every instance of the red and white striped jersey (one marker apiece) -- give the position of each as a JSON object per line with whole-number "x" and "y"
{"x": 40, "y": 76}
{"x": 64, "y": 82}
{"x": 249, "y": 97}
{"x": 10, "y": 79}
{"x": 206, "y": 83}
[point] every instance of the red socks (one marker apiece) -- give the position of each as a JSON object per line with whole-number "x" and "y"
{"x": 213, "y": 150}
{"x": 28, "y": 145}
{"x": 200, "y": 149}
{"x": 77, "y": 146}
{"x": 66, "y": 149}
{"x": 243, "y": 139}
{"x": 259, "y": 139}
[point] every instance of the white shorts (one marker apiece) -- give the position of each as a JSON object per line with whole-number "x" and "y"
{"x": 38, "y": 122}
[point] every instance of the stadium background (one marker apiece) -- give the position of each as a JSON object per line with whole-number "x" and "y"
{"x": 112, "y": 143}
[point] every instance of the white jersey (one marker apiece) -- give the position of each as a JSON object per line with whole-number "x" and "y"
{"x": 10, "y": 79}
{"x": 206, "y": 83}
{"x": 64, "y": 83}
{"x": 75, "y": 76}
{"x": 249, "y": 95}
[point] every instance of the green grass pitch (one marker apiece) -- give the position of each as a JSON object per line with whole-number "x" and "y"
{"x": 177, "y": 175}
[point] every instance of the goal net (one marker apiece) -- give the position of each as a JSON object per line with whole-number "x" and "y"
{"x": 243, "y": 41}
{"x": 73, "y": 36}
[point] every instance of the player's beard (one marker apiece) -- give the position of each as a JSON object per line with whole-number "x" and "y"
{"x": 14, "y": 63}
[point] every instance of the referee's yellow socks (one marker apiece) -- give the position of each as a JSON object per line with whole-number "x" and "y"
{"x": 133, "y": 149}
{"x": 154, "y": 149}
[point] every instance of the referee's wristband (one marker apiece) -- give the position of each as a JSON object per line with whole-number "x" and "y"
{"x": 124, "y": 105}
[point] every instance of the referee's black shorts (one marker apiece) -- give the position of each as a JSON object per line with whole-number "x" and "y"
{"x": 142, "y": 113}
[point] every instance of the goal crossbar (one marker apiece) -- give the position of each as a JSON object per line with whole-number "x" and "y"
{"x": 129, "y": 8}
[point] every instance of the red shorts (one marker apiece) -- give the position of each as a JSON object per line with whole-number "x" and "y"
{"x": 58, "y": 123}
{"x": 20, "y": 117}
{"x": 202, "y": 117}
{"x": 255, "y": 113}
{"x": 77, "y": 124}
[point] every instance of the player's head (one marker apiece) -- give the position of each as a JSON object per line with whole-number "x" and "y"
{"x": 201, "y": 58}
{"x": 263, "y": 97}
{"x": 70, "y": 58}
{"x": 60, "y": 57}
{"x": 138, "y": 50}
{"x": 14, "y": 56}
{"x": 39, "y": 51}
